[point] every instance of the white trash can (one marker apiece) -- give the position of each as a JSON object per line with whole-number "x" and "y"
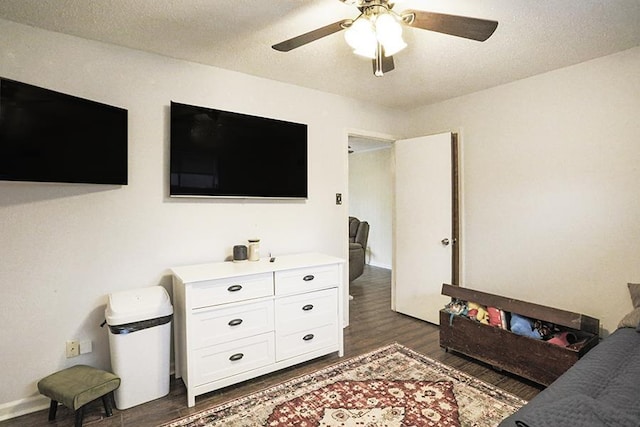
{"x": 139, "y": 338}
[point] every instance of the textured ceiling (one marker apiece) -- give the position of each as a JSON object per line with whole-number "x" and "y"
{"x": 532, "y": 37}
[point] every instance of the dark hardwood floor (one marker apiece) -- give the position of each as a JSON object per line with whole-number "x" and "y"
{"x": 372, "y": 325}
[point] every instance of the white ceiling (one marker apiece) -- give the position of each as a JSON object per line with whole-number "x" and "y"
{"x": 532, "y": 37}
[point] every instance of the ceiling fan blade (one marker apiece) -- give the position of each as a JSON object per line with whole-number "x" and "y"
{"x": 454, "y": 25}
{"x": 305, "y": 38}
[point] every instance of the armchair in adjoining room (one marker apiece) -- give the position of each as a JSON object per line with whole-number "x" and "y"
{"x": 358, "y": 235}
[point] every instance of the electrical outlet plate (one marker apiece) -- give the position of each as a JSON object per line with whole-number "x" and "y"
{"x": 73, "y": 348}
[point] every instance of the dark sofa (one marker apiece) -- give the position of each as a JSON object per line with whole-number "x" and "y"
{"x": 601, "y": 389}
{"x": 358, "y": 236}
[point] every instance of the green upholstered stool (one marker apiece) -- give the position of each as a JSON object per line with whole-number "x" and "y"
{"x": 76, "y": 386}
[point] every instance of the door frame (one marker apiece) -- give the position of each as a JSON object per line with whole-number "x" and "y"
{"x": 455, "y": 208}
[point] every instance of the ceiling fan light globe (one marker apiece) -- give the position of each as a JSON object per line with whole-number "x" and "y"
{"x": 360, "y": 33}
{"x": 389, "y": 34}
{"x": 366, "y": 51}
{"x": 387, "y": 27}
{"x": 391, "y": 47}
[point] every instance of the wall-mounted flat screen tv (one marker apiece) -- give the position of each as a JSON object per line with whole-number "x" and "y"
{"x": 218, "y": 153}
{"x": 48, "y": 136}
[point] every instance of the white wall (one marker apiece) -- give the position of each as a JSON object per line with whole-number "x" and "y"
{"x": 551, "y": 207}
{"x": 551, "y": 173}
{"x": 65, "y": 247}
{"x": 371, "y": 200}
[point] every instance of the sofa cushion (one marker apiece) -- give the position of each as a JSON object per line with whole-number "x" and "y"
{"x": 632, "y": 319}
{"x": 634, "y": 291}
{"x": 353, "y": 228}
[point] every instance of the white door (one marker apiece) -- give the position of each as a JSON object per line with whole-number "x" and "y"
{"x": 423, "y": 241}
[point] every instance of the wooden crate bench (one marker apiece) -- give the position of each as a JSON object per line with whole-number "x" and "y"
{"x": 536, "y": 360}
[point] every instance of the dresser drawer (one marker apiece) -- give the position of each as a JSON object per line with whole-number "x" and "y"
{"x": 299, "y": 342}
{"x": 306, "y": 279}
{"x": 300, "y": 312}
{"x": 217, "y": 325}
{"x": 225, "y": 360}
{"x": 222, "y": 291}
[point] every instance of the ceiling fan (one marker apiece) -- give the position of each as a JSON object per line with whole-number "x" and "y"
{"x": 377, "y": 32}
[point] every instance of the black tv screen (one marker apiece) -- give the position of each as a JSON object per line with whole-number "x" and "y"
{"x": 48, "y": 136}
{"x": 218, "y": 153}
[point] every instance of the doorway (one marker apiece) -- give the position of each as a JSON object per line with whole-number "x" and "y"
{"x": 371, "y": 194}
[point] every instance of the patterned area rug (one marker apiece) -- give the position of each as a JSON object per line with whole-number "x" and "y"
{"x": 392, "y": 386}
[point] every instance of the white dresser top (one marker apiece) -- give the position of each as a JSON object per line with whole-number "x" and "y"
{"x": 218, "y": 270}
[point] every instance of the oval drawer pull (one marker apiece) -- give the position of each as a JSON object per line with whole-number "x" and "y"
{"x": 234, "y": 288}
{"x": 308, "y": 307}
{"x": 235, "y": 322}
{"x": 308, "y": 278}
{"x": 308, "y": 337}
{"x": 235, "y": 357}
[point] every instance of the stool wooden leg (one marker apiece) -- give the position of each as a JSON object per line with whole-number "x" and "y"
{"x": 106, "y": 401}
{"x": 53, "y": 408}
{"x": 79, "y": 416}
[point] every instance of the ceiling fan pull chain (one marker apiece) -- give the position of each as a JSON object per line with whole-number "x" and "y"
{"x": 378, "y": 62}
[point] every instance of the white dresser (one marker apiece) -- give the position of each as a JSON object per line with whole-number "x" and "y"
{"x": 236, "y": 321}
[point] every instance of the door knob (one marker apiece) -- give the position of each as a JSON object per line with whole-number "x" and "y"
{"x": 445, "y": 242}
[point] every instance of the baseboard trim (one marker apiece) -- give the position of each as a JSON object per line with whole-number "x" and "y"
{"x": 375, "y": 264}
{"x": 23, "y": 406}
